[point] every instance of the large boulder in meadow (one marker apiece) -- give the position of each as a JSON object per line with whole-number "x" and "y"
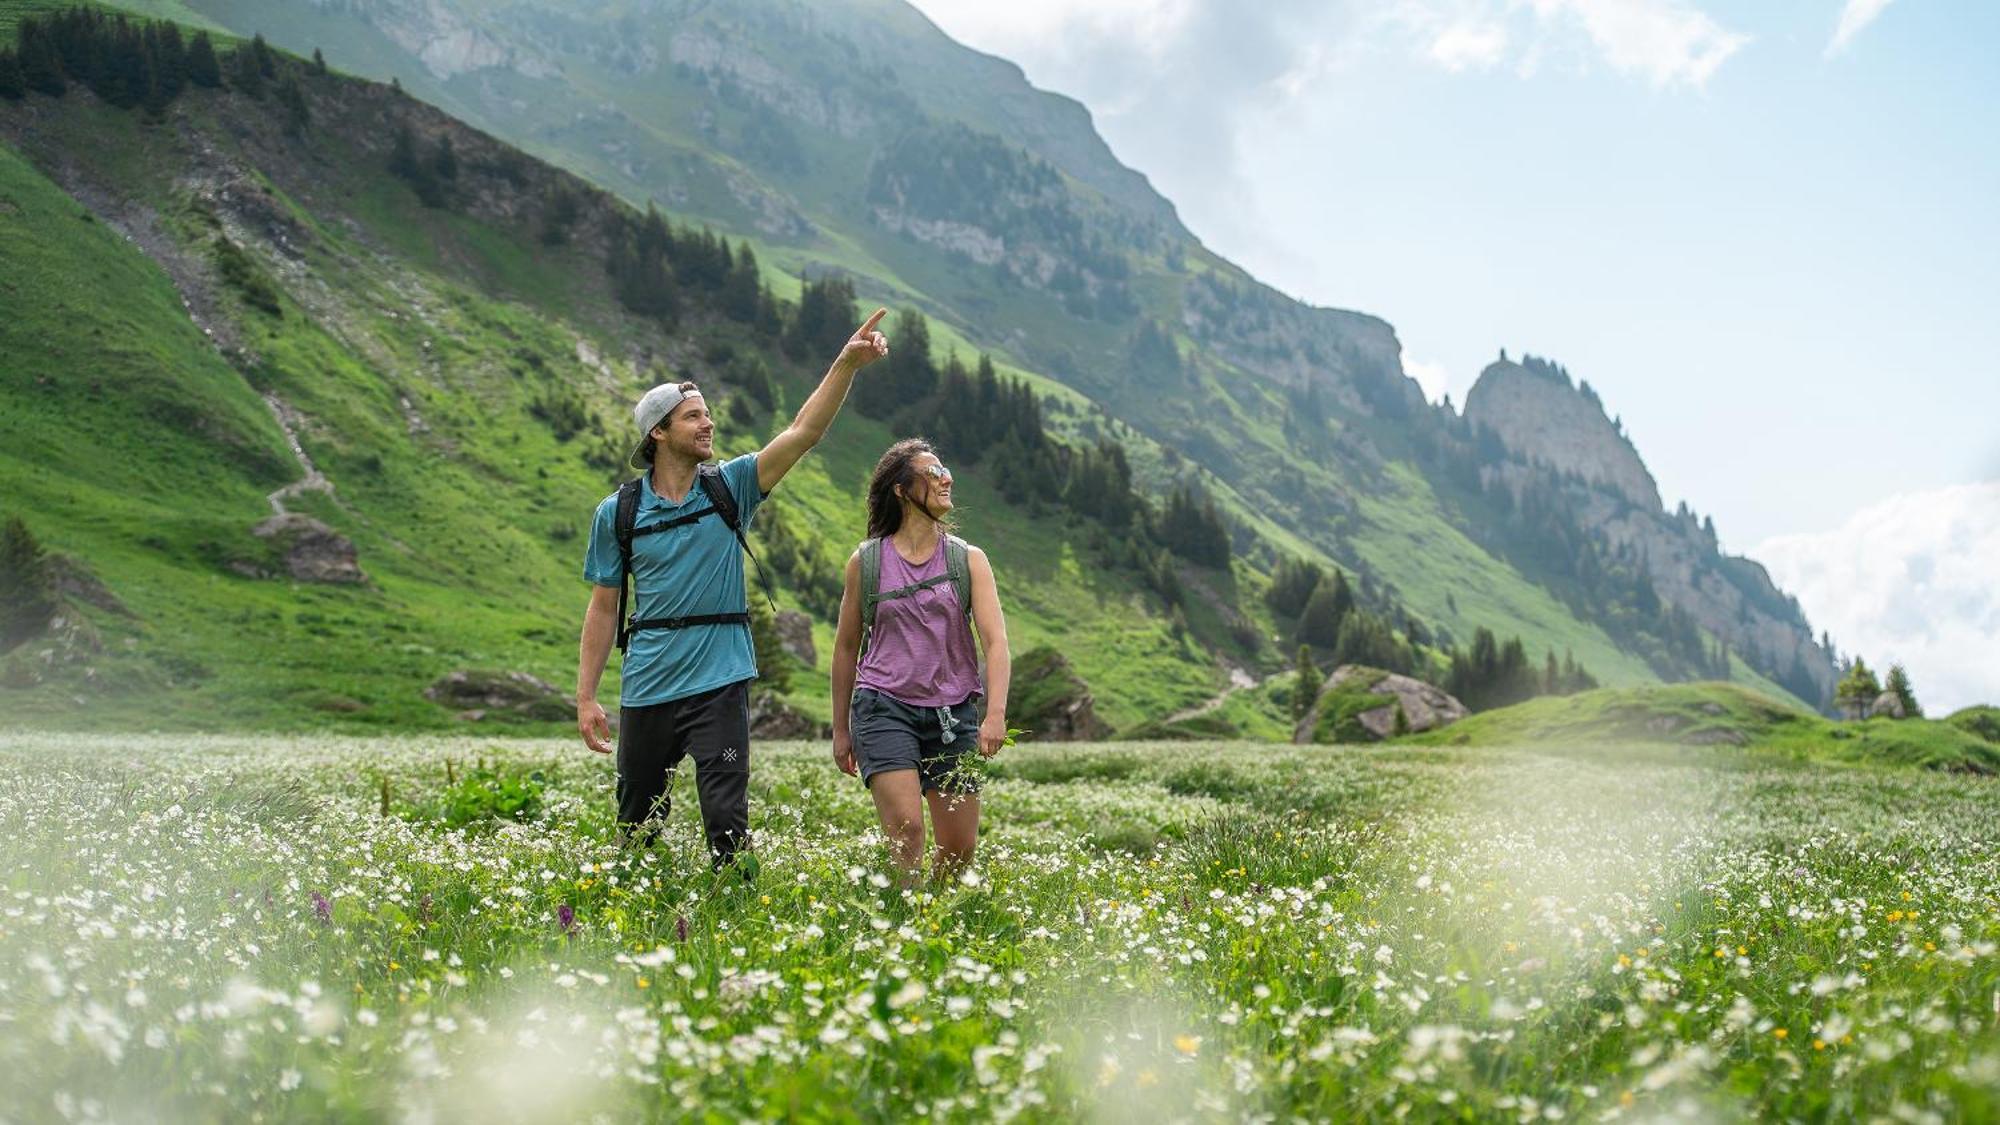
{"x": 773, "y": 718}
{"x": 313, "y": 552}
{"x": 1359, "y": 704}
{"x": 1048, "y": 699}
{"x": 477, "y": 695}
{"x": 795, "y": 636}
{"x": 1888, "y": 705}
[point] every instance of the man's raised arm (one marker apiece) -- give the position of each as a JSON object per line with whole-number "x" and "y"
{"x": 809, "y": 425}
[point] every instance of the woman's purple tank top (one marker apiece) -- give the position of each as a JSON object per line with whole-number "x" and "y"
{"x": 921, "y": 651}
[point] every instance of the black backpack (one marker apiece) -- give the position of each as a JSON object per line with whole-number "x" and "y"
{"x": 721, "y": 504}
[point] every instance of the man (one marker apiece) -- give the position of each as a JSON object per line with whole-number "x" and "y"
{"x": 686, "y": 675}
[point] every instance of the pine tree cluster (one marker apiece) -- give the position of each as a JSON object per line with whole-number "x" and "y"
{"x": 144, "y": 64}
{"x": 1495, "y": 674}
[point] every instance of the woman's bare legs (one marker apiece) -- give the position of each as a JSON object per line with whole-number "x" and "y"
{"x": 955, "y": 823}
{"x": 899, "y": 803}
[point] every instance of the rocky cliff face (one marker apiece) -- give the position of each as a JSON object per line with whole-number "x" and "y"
{"x": 1297, "y": 345}
{"x": 1542, "y": 418}
{"x": 1556, "y": 437}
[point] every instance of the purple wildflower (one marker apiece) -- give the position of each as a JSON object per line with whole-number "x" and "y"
{"x": 322, "y": 908}
{"x": 680, "y": 927}
{"x": 566, "y": 918}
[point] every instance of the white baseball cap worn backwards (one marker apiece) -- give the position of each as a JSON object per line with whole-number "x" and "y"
{"x": 652, "y": 410}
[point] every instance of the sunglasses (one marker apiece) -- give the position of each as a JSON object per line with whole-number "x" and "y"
{"x": 937, "y": 473}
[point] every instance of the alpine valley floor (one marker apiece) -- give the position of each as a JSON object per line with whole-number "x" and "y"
{"x": 243, "y": 927}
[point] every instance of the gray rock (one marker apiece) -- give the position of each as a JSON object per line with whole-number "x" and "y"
{"x": 478, "y": 695}
{"x": 1062, "y": 708}
{"x": 1888, "y": 705}
{"x": 75, "y": 580}
{"x": 795, "y": 636}
{"x": 773, "y": 718}
{"x": 1425, "y": 706}
{"x": 313, "y": 551}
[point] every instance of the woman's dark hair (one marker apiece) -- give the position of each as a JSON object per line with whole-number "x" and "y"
{"x": 650, "y": 446}
{"x": 898, "y": 466}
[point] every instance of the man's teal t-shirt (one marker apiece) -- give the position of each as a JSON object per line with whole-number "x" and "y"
{"x": 691, "y": 569}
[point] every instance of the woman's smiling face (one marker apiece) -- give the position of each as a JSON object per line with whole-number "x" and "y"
{"x": 933, "y": 488}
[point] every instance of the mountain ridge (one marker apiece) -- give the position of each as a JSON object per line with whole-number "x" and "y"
{"x": 1299, "y": 419}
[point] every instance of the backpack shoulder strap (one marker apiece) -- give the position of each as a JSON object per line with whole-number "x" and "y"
{"x": 709, "y": 476}
{"x": 870, "y": 554}
{"x": 626, "y": 514}
{"x": 958, "y": 565}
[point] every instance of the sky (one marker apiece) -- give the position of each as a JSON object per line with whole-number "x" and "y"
{"x": 1767, "y": 233}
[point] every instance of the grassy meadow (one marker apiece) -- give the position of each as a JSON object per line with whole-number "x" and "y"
{"x": 199, "y": 927}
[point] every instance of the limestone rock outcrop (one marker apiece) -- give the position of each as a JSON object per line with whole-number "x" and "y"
{"x": 1424, "y": 706}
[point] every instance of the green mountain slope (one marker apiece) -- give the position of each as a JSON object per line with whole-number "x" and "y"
{"x": 854, "y": 136}
{"x": 429, "y": 362}
{"x": 451, "y": 346}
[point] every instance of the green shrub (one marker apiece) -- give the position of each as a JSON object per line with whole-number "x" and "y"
{"x": 485, "y": 795}
{"x": 1980, "y": 720}
{"x": 27, "y": 586}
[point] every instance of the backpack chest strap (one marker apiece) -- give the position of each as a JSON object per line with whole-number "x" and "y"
{"x": 667, "y": 525}
{"x": 688, "y": 622}
{"x": 906, "y": 591}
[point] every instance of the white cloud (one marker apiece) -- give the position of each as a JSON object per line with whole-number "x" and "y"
{"x": 1855, "y": 16}
{"x": 1435, "y": 380}
{"x": 1914, "y": 579}
{"x": 1041, "y": 28}
{"x": 1666, "y": 41}
{"x": 1464, "y": 44}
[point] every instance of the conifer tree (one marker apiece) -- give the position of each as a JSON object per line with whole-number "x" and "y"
{"x": 293, "y": 100}
{"x": 403, "y": 152}
{"x": 1319, "y": 624}
{"x": 265, "y": 58}
{"x": 774, "y": 664}
{"x": 41, "y": 66}
{"x": 559, "y": 214}
{"x": 12, "y": 86}
{"x": 27, "y": 585}
{"x": 202, "y": 68}
{"x": 1857, "y": 690}
{"x": 1305, "y": 687}
{"x": 1291, "y": 584}
{"x": 743, "y": 288}
{"x": 170, "y": 58}
{"x": 445, "y": 162}
{"x": 244, "y": 74}
{"x": 1899, "y": 682}
{"x": 1342, "y": 594}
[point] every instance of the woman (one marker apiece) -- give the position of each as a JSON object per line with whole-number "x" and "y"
{"x": 905, "y": 677}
